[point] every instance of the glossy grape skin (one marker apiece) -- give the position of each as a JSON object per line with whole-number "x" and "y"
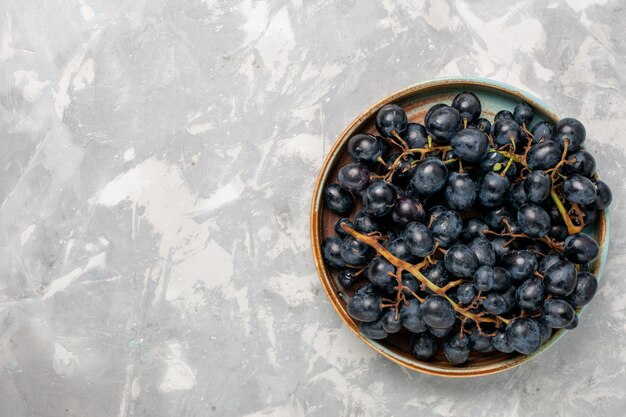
{"x": 483, "y": 125}
{"x": 407, "y": 210}
{"x": 456, "y": 349}
{"x": 379, "y": 198}
{"x": 411, "y": 316}
{"x": 440, "y": 332}
{"x": 355, "y": 252}
{"x": 500, "y": 343}
{"x": 437, "y": 312}
{"x": 584, "y": 164}
{"x": 521, "y": 264}
{"x": 339, "y": 230}
{"x": 347, "y": 277}
{"x": 495, "y": 303}
{"x": 524, "y": 335}
{"x": 503, "y": 114}
{"x": 373, "y": 330}
{"x": 557, "y": 313}
{"x": 443, "y": 122}
{"x": 389, "y": 322}
{"x": 378, "y": 271}
{"x": 523, "y": 113}
{"x": 604, "y": 196}
{"x": 365, "y": 306}
{"x": 435, "y": 211}
{"x": 490, "y": 159}
{"x": 501, "y": 279}
{"x": 545, "y": 330}
{"x": 404, "y": 170}
{"x": 365, "y": 223}
{"x": 409, "y": 282}
{"x": 495, "y": 218}
{"x": 479, "y": 342}
{"x": 331, "y": 252}
{"x": 579, "y": 190}
{"x": 586, "y": 287}
{"x": 547, "y": 262}
{"x": 533, "y": 220}
{"x": 537, "y": 187}
{"x": 466, "y": 293}
{"x": 572, "y": 130}
{"x": 430, "y": 176}
{"x": 506, "y": 131}
{"x": 560, "y": 278}
{"x": 391, "y": 118}
{"x": 473, "y": 228}
{"x": 468, "y": 106}
{"x": 415, "y": 136}
{"x": 353, "y": 177}
{"x": 558, "y": 232}
{"x": 460, "y": 192}
{"x": 590, "y": 214}
{"x": 424, "y": 345}
{"x": 470, "y": 144}
{"x": 365, "y": 148}
{"x": 581, "y": 248}
{"x": 446, "y": 228}
{"x": 492, "y": 190}
{"x": 484, "y": 278}
{"x": 531, "y": 294}
{"x": 337, "y": 199}
{"x": 544, "y": 155}
{"x": 498, "y": 245}
{"x": 437, "y": 274}
{"x": 542, "y": 130}
{"x": 517, "y": 195}
{"x": 484, "y": 251}
{"x": 419, "y": 239}
{"x": 398, "y": 248}
{"x": 573, "y": 324}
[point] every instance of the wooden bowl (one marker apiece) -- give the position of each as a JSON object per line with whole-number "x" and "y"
{"x": 416, "y": 100}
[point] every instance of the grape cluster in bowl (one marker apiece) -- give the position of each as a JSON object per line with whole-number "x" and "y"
{"x": 464, "y": 234}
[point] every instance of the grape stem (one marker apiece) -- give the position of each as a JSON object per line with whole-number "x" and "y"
{"x": 415, "y": 270}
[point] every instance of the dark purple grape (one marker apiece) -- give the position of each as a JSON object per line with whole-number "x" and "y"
{"x": 443, "y": 122}
{"x": 424, "y": 345}
{"x": 545, "y": 330}
{"x": 436, "y": 211}
{"x": 542, "y": 130}
{"x": 415, "y": 136}
{"x": 373, "y": 330}
{"x": 547, "y": 262}
{"x": 571, "y": 130}
{"x": 437, "y": 312}
{"x": 490, "y": 159}
{"x": 391, "y": 323}
{"x": 500, "y": 246}
{"x": 523, "y": 113}
{"x": 408, "y": 210}
{"x": 465, "y": 293}
{"x": 364, "y": 148}
{"x": 379, "y": 198}
{"x": 604, "y": 196}
{"x": 492, "y": 190}
{"x": 483, "y": 125}
{"x": 560, "y": 278}
{"x": 430, "y": 176}
{"x": 355, "y": 252}
{"x": 331, "y": 251}
{"x": 500, "y": 342}
{"x": 522, "y": 264}
{"x": 484, "y": 278}
{"x": 581, "y": 248}
{"x": 461, "y": 261}
{"x": 437, "y": 274}
{"x": 410, "y": 283}
{"x": 378, "y": 271}
{"x": 411, "y": 316}
{"x": 584, "y": 164}
{"x": 558, "y": 232}
{"x": 398, "y": 248}
{"x": 579, "y": 190}
{"x": 517, "y": 195}
{"x": 440, "y": 332}
{"x": 495, "y": 218}
{"x": 456, "y": 349}
{"x": 460, "y": 192}
{"x": 544, "y": 155}
{"x": 495, "y": 303}
{"x": 470, "y": 144}
{"x": 365, "y": 306}
{"x": 339, "y": 230}
{"x": 484, "y": 251}
{"x": 506, "y": 132}
{"x": 557, "y": 313}
{"x": 586, "y": 287}
{"x": 347, "y": 277}
{"x": 419, "y": 239}
{"x": 590, "y": 214}
{"x": 533, "y": 220}
{"x": 524, "y": 335}
{"x": 365, "y": 223}
{"x": 503, "y": 114}
{"x": 391, "y": 119}
{"x": 468, "y": 106}
{"x": 447, "y": 227}
{"x": 353, "y": 177}
{"x": 337, "y": 199}
{"x": 473, "y": 228}
{"x": 480, "y": 342}
{"x": 531, "y": 294}
{"x": 501, "y": 279}
{"x": 537, "y": 187}
{"x": 573, "y": 324}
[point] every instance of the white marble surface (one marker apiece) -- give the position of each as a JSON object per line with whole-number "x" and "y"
{"x": 157, "y": 160}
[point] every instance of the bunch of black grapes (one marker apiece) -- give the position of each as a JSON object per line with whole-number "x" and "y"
{"x": 465, "y": 234}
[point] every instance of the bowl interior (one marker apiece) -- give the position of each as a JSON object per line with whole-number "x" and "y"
{"x": 416, "y": 101}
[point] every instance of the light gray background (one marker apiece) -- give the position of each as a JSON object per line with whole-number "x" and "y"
{"x": 157, "y": 160}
